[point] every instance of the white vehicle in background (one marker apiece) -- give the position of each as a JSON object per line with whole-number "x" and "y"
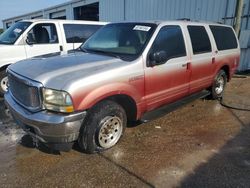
{"x": 30, "y": 38}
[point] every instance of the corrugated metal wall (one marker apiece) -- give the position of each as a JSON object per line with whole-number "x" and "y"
{"x": 211, "y": 10}
{"x": 244, "y": 37}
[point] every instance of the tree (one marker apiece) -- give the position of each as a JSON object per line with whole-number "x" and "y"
{"x": 1, "y": 30}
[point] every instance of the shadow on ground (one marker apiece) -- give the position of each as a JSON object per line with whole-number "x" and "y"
{"x": 4, "y": 113}
{"x": 27, "y": 142}
{"x": 230, "y": 167}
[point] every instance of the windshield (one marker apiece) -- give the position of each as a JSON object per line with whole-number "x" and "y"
{"x": 120, "y": 39}
{"x": 11, "y": 35}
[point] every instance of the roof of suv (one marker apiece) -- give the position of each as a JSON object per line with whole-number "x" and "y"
{"x": 66, "y": 21}
{"x": 179, "y": 22}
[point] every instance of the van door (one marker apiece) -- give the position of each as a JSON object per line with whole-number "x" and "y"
{"x": 202, "y": 58}
{"x": 168, "y": 81}
{"x": 42, "y": 39}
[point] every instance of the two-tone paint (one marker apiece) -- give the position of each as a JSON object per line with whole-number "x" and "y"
{"x": 90, "y": 78}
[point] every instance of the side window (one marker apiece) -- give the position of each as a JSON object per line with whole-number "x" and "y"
{"x": 79, "y": 33}
{"x": 170, "y": 39}
{"x": 200, "y": 40}
{"x": 43, "y": 34}
{"x": 224, "y": 37}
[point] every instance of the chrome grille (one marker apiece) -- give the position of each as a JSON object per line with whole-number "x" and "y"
{"x": 24, "y": 93}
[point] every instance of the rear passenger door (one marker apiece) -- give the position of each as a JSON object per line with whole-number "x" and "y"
{"x": 228, "y": 51}
{"x": 76, "y": 34}
{"x": 168, "y": 81}
{"x": 201, "y": 58}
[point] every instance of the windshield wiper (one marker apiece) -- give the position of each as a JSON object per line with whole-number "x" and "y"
{"x": 102, "y": 52}
{"x": 82, "y": 49}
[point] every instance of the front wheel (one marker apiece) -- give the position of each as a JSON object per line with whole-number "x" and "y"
{"x": 103, "y": 127}
{"x": 3, "y": 82}
{"x": 219, "y": 84}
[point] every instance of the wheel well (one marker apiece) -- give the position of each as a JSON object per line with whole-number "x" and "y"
{"x": 4, "y": 67}
{"x": 226, "y": 69}
{"x": 128, "y": 105}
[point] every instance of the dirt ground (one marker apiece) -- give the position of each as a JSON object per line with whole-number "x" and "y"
{"x": 199, "y": 145}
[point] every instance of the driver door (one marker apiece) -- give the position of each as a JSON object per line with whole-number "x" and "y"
{"x": 167, "y": 81}
{"x": 42, "y": 39}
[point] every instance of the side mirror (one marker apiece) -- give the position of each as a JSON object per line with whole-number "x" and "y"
{"x": 158, "y": 58}
{"x": 30, "y": 39}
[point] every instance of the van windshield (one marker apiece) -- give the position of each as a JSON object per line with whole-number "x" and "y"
{"x": 123, "y": 40}
{"x": 13, "y": 33}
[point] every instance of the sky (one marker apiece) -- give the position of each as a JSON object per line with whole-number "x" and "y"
{"x": 11, "y": 8}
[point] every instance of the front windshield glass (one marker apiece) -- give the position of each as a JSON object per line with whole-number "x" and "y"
{"x": 120, "y": 39}
{"x": 11, "y": 34}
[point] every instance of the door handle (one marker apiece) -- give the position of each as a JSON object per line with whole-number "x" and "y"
{"x": 188, "y": 65}
{"x": 213, "y": 60}
{"x": 61, "y": 48}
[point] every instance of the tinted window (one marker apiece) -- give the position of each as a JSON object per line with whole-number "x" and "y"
{"x": 224, "y": 37}
{"x": 200, "y": 40}
{"x": 43, "y": 34}
{"x": 79, "y": 33}
{"x": 170, "y": 40}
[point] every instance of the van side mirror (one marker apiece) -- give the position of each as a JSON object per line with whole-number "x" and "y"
{"x": 158, "y": 58}
{"x": 30, "y": 39}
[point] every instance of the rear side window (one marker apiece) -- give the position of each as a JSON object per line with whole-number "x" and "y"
{"x": 79, "y": 33}
{"x": 170, "y": 39}
{"x": 224, "y": 37}
{"x": 200, "y": 40}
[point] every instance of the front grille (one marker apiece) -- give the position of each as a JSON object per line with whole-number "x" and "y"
{"x": 25, "y": 94}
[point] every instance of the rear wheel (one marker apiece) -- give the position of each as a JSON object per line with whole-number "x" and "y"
{"x": 3, "y": 82}
{"x": 103, "y": 127}
{"x": 219, "y": 84}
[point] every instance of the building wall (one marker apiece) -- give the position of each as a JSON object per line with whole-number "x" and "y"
{"x": 48, "y": 12}
{"x": 213, "y": 10}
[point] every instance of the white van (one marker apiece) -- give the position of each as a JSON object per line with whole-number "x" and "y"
{"x": 29, "y": 38}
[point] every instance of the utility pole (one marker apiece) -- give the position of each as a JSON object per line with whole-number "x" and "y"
{"x": 238, "y": 13}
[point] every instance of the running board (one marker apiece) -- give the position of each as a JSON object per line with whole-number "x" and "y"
{"x": 159, "y": 112}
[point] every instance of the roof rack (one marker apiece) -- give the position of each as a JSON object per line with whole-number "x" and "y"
{"x": 184, "y": 19}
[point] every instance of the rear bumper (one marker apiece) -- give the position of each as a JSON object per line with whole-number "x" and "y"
{"x": 45, "y": 126}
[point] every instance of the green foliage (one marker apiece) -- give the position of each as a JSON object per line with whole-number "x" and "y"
{"x": 1, "y": 30}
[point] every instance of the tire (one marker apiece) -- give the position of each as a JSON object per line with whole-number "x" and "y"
{"x": 103, "y": 127}
{"x": 219, "y": 85}
{"x": 3, "y": 82}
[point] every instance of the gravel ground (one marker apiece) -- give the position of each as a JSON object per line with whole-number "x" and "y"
{"x": 199, "y": 145}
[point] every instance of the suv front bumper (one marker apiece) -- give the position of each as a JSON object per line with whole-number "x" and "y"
{"x": 45, "y": 126}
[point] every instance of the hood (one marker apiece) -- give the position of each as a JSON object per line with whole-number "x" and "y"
{"x": 2, "y": 46}
{"x": 57, "y": 71}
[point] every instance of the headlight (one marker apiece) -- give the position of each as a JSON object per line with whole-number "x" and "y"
{"x": 59, "y": 101}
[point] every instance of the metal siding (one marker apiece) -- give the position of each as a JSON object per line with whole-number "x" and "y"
{"x": 211, "y": 10}
{"x": 111, "y": 10}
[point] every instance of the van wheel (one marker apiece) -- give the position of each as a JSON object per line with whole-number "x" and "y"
{"x": 3, "y": 82}
{"x": 103, "y": 127}
{"x": 219, "y": 84}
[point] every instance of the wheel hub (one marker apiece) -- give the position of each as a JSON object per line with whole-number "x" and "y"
{"x": 220, "y": 85}
{"x": 110, "y": 131}
{"x": 4, "y": 83}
